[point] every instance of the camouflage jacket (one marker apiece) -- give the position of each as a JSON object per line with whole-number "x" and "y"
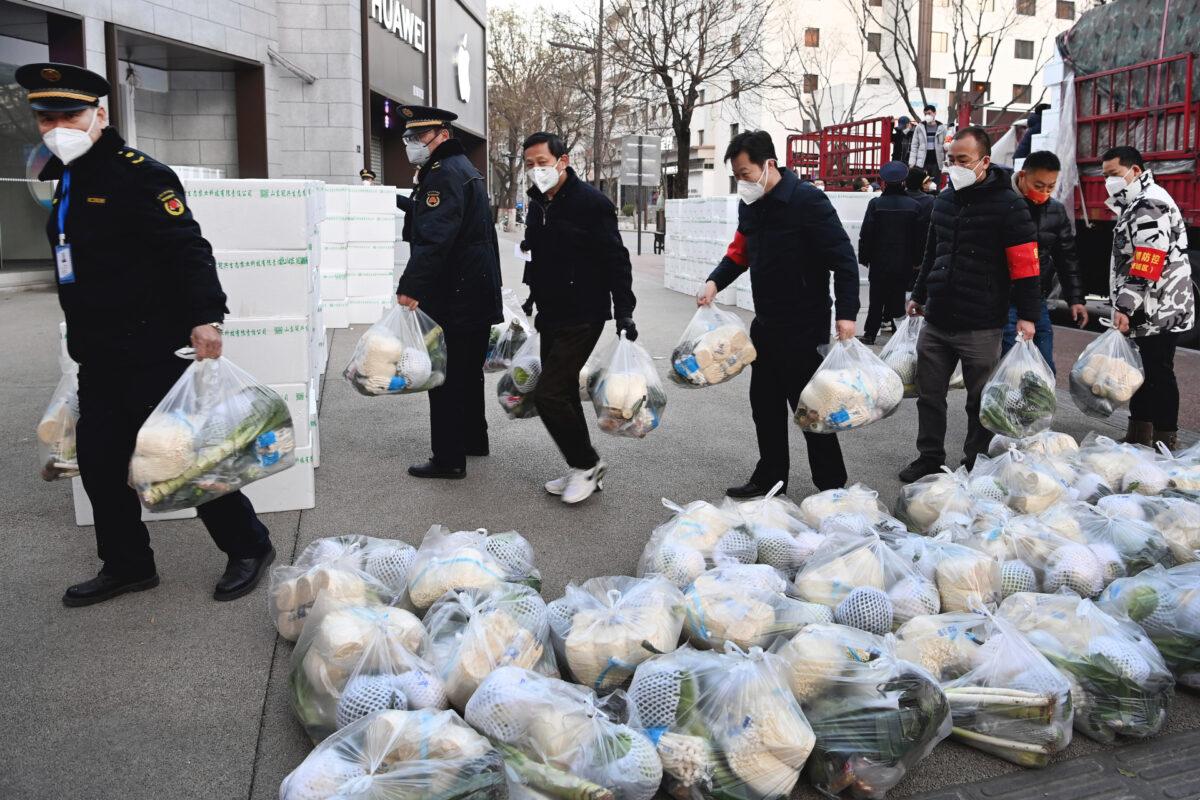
{"x": 1150, "y": 277}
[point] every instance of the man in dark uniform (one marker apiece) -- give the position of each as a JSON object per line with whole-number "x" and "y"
{"x": 136, "y": 282}
{"x": 890, "y": 244}
{"x": 454, "y": 275}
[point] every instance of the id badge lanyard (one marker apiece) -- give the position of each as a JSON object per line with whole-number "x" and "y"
{"x": 62, "y": 251}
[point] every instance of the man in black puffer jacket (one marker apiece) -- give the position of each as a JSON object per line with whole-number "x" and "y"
{"x": 980, "y": 256}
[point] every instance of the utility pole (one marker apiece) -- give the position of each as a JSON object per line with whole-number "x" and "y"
{"x": 597, "y": 53}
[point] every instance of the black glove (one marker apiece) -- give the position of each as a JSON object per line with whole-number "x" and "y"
{"x": 626, "y": 324}
{"x": 528, "y": 307}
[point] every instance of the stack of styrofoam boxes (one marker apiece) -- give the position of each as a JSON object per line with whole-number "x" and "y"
{"x": 364, "y": 218}
{"x": 265, "y": 239}
{"x": 1054, "y": 74}
{"x": 403, "y": 251}
{"x": 699, "y": 231}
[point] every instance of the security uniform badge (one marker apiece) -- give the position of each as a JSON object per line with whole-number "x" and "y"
{"x": 433, "y": 199}
{"x": 171, "y": 204}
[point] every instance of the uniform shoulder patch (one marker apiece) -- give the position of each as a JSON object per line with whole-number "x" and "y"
{"x": 433, "y": 199}
{"x": 435, "y": 165}
{"x": 174, "y": 206}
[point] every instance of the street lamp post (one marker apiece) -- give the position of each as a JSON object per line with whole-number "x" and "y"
{"x": 597, "y": 52}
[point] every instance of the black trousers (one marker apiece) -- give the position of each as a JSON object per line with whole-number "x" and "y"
{"x": 933, "y": 168}
{"x": 886, "y": 299}
{"x": 787, "y": 358}
{"x": 564, "y": 352}
{"x": 457, "y": 422}
{"x": 113, "y": 404}
{"x": 1157, "y": 400}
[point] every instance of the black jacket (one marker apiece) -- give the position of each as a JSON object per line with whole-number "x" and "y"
{"x": 980, "y": 256}
{"x": 454, "y": 269}
{"x": 891, "y": 240}
{"x": 1033, "y": 125}
{"x": 901, "y": 142}
{"x": 1056, "y": 249}
{"x": 791, "y": 240}
{"x": 580, "y": 271}
{"x": 144, "y": 275}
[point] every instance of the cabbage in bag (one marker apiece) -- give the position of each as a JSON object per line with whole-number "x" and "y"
{"x": 56, "y": 430}
{"x": 777, "y": 534}
{"x": 216, "y": 431}
{"x": 747, "y": 605}
{"x": 1166, "y": 604}
{"x": 628, "y": 396}
{"x": 450, "y": 561}
{"x": 715, "y": 348}
{"x": 516, "y": 387}
{"x": 696, "y": 538}
{"x": 900, "y": 352}
{"x": 1106, "y": 375}
{"x": 1019, "y": 400}
{"x": 852, "y": 388}
{"x": 402, "y": 353}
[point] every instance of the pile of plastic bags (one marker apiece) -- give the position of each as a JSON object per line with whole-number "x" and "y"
{"x": 516, "y": 387}
{"x": 402, "y": 353}
{"x": 773, "y": 530}
{"x": 900, "y": 352}
{"x": 56, "y": 430}
{"x": 449, "y": 561}
{"x": 216, "y": 431}
{"x": 715, "y": 348}
{"x": 507, "y": 337}
{"x": 852, "y": 388}
{"x": 696, "y": 538}
{"x": 628, "y": 395}
{"x": 1166, "y": 604}
{"x": 1019, "y": 400}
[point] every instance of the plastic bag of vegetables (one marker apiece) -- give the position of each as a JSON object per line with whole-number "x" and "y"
{"x": 923, "y": 501}
{"x": 687, "y": 544}
{"x": 966, "y": 577}
{"x": 400, "y": 755}
{"x": 606, "y": 626}
{"x": 1166, "y": 603}
{"x": 476, "y": 631}
{"x": 852, "y": 388}
{"x": 628, "y": 396}
{"x": 516, "y": 387}
{"x": 1018, "y": 400}
{"x": 1127, "y": 544}
{"x": 874, "y": 714}
{"x": 1046, "y": 443}
{"x": 1179, "y": 522}
{"x": 589, "y": 373}
{"x": 352, "y": 659}
{"x": 454, "y": 560}
{"x": 351, "y": 569}
{"x": 724, "y": 723}
{"x": 715, "y": 347}
{"x": 216, "y": 431}
{"x": 1005, "y": 697}
{"x": 1106, "y": 375}
{"x": 900, "y": 352}
{"x": 747, "y": 605}
{"x": 557, "y": 739}
{"x": 771, "y": 532}
{"x": 1022, "y": 481}
{"x": 56, "y": 430}
{"x": 1122, "y": 467}
{"x": 1034, "y": 558}
{"x": 404, "y": 352}
{"x": 507, "y": 337}
{"x": 854, "y": 499}
{"x": 1120, "y": 685}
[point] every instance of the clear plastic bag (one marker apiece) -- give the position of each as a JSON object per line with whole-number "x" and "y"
{"x": 1022, "y": 481}
{"x": 854, "y": 499}
{"x": 693, "y": 540}
{"x": 746, "y": 605}
{"x": 404, "y": 352}
{"x": 1166, "y": 604}
{"x": 350, "y": 569}
{"x": 57, "y": 456}
{"x": 1046, "y": 443}
{"x": 1034, "y": 558}
{"x": 1126, "y": 543}
{"x": 922, "y": 502}
{"x": 957, "y": 382}
{"x": 852, "y": 388}
{"x": 474, "y": 632}
{"x": 724, "y": 723}
{"x": 1005, "y": 697}
{"x": 507, "y": 337}
{"x": 777, "y": 532}
{"x": 352, "y": 659}
{"x": 1019, "y": 400}
{"x": 900, "y": 352}
{"x": 1179, "y": 522}
{"x": 1123, "y": 467}
{"x": 1120, "y": 685}
{"x": 874, "y": 714}
{"x": 216, "y": 431}
{"x": 558, "y": 739}
{"x": 589, "y": 373}
{"x": 715, "y": 348}
{"x": 1106, "y": 375}
{"x": 516, "y": 387}
{"x": 451, "y": 561}
{"x": 966, "y": 577}
{"x": 628, "y": 395}
{"x": 606, "y": 626}
{"x": 400, "y": 755}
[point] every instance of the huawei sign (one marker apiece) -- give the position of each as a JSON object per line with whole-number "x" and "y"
{"x": 399, "y": 19}
{"x": 462, "y": 67}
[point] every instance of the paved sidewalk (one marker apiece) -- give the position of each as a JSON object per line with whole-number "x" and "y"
{"x": 167, "y": 694}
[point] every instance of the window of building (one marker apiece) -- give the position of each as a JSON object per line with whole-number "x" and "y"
{"x": 735, "y": 43}
{"x": 1022, "y": 92}
{"x": 1027, "y": 8}
{"x": 877, "y": 3}
{"x": 936, "y": 83}
{"x": 735, "y": 88}
{"x": 700, "y": 99}
{"x": 700, "y": 137}
{"x": 810, "y": 83}
{"x": 874, "y": 42}
{"x": 812, "y": 37}
{"x": 1023, "y": 48}
{"x": 939, "y": 41}
{"x": 872, "y": 81}
{"x": 985, "y": 45}
{"x": 1065, "y": 9}
{"x": 733, "y": 130}
{"x": 944, "y": 3}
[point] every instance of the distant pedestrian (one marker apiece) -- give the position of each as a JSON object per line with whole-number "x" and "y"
{"x": 862, "y": 185}
{"x": 890, "y": 243}
{"x": 902, "y": 139}
{"x": 790, "y": 239}
{"x": 1033, "y": 125}
{"x": 928, "y": 149}
{"x": 1056, "y": 250}
{"x": 916, "y": 186}
{"x": 819, "y": 184}
{"x": 1151, "y": 287}
{"x": 579, "y": 278}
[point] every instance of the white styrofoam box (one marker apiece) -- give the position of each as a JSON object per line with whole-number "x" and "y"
{"x": 336, "y": 312}
{"x": 1055, "y": 72}
{"x": 369, "y": 227}
{"x": 369, "y": 309}
{"x": 316, "y": 446}
{"x": 349, "y": 199}
{"x": 371, "y": 255}
{"x": 333, "y": 256}
{"x": 315, "y": 433}
{"x": 745, "y": 298}
{"x": 63, "y": 355}
{"x": 332, "y": 230}
{"x": 257, "y": 214}
{"x": 850, "y": 205}
{"x": 272, "y": 349}
{"x": 369, "y": 282}
{"x": 293, "y": 489}
{"x": 265, "y": 283}
{"x": 403, "y": 251}
{"x": 1042, "y": 141}
{"x": 333, "y": 284}
{"x": 1050, "y": 121}
{"x": 84, "y": 515}
{"x": 296, "y": 397}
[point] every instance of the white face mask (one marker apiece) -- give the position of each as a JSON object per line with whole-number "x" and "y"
{"x": 544, "y": 178}
{"x": 417, "y": 151}
{"x": 1115, "y": 184}
{"x": 752, "y": 191}
{"x": 961, "y": 177}
{"x": 930, "y": 117}
{"x": 70, "y": 143}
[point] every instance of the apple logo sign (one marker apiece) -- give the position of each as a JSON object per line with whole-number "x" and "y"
{"x": 462, "y": 64}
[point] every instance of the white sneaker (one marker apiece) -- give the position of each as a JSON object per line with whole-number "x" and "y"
{"x": 558, "y": 485}
{"x": 582, "y": 483}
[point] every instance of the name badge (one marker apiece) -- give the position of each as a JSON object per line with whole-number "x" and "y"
{"x": 66, "y": 269}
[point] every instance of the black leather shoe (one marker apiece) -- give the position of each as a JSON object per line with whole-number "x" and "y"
{"x": 105, "y": 587}
{"x": 747, "y": 490}
{"x": 479, "y": 452}
{"x": 867, "y": 340}
{"x": 919, "y": 469}
{"x": 432, "y": 469}
{"x": 242, "y": 575}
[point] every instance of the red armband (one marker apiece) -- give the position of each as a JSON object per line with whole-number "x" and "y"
{"x": 1147, "y": 263}
{"x": 1023, "y": 261}
{"x": 736, "y": 252}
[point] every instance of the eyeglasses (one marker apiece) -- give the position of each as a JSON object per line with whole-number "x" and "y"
{"x": 413, "y": 137}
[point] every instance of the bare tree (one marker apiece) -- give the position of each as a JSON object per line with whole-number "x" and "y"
{"x": 693, "y": 53}
{"x": 895, "y": 21}
{"x": 809, "y": 79}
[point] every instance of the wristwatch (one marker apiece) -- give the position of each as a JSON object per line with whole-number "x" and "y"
{"x": 219, "y": 326}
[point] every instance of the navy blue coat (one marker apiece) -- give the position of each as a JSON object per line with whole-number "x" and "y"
{"x": 892, "y": 239}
